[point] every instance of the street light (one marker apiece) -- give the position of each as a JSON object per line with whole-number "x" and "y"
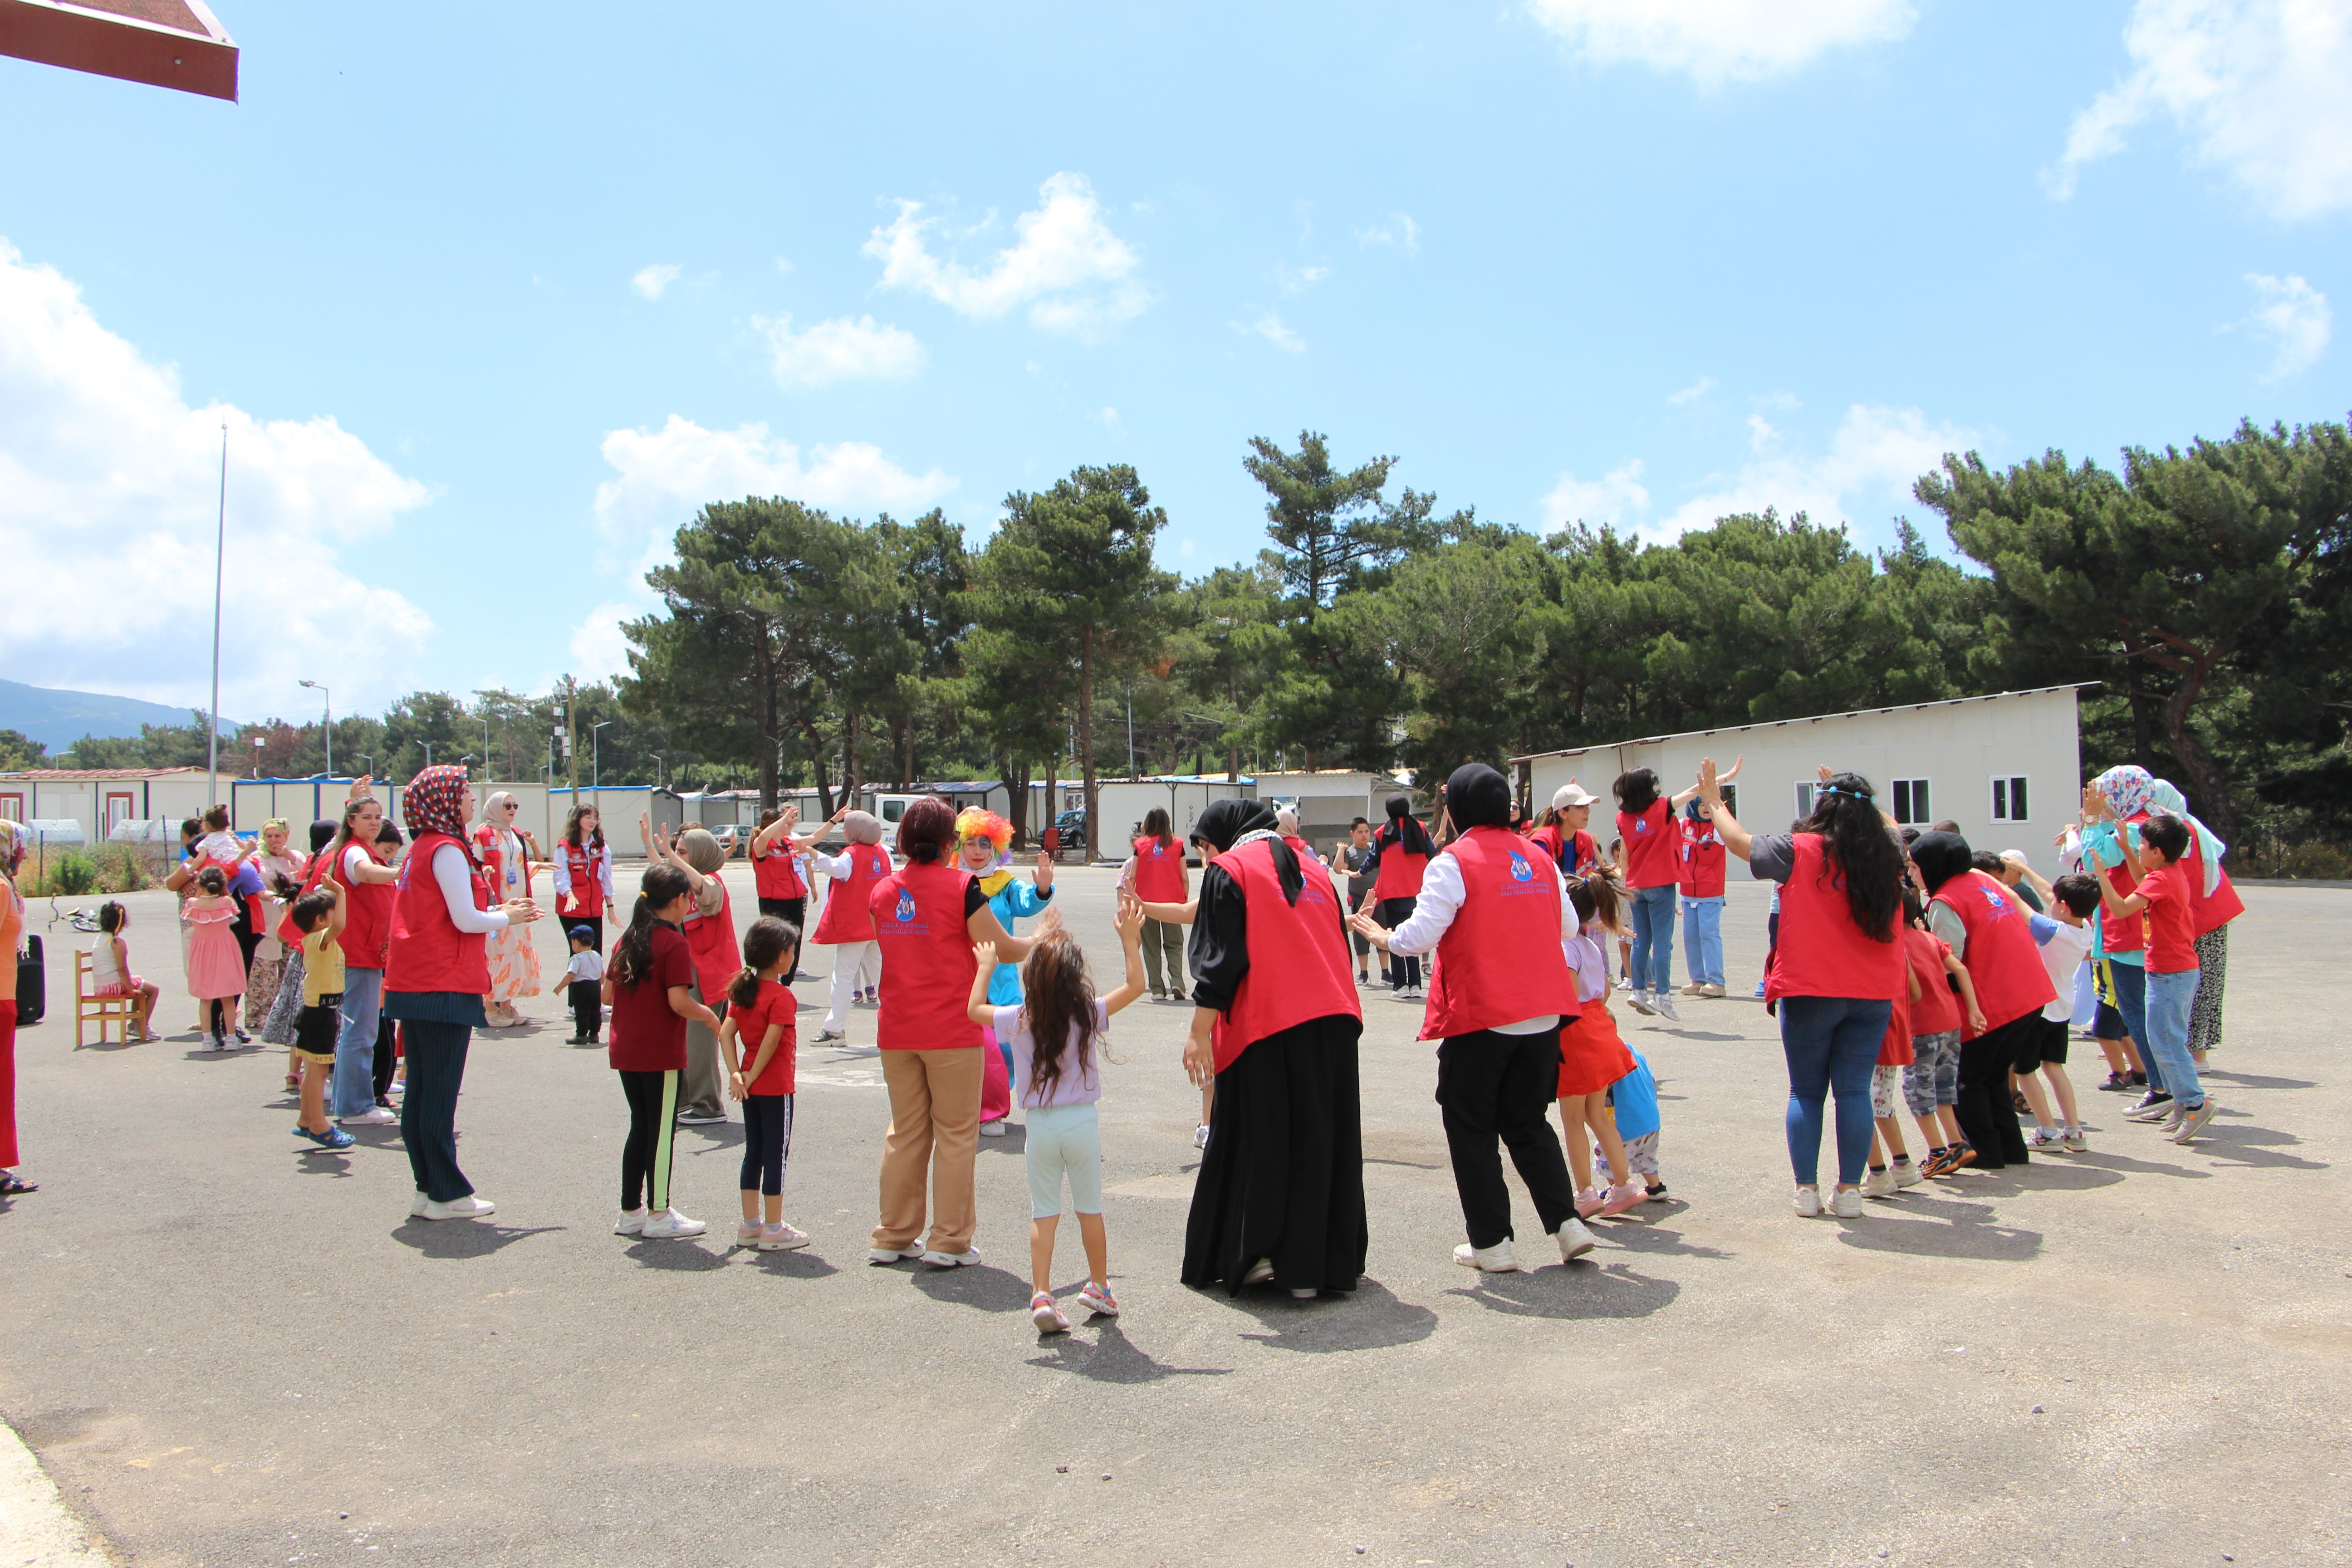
{"x": 365, "y": 758}
{"x": 328, "y": 697}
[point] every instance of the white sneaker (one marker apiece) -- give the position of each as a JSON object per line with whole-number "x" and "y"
{"x": 1642, "y": 1003}
{"x": 938, "y": 1259}
{"x": 1626, "y": 983}
{"x": 701, "y": 1118}
{"x": 894, "y": 1253}
{"x": 1809, "y": 1202}
{"x": 1575, "y": 1241}
{"x": 471, "y": 1206}
{"x": 1906, "y": 1174}
{"x": 2074, "y": 1142}
{"x": 671, "y": 1225}
{"x": 825, "y": 1037}
{"x": 2044, "y": 1139}
{"x": 992, "y": 1128}
{"x": 782, "y": 1238}
{"x": 1712, "y": 988}
{"x": 416, "y": 1207}
{"x": 1201, "y": 1136}
{"x": 1494, "y": 1259}
{"x": 373, "y": 1116}
{"x": 1666, "y": 1007}
{"x": 1878, "y": 1184}
{"x": 631, "y": 1223}
{"x": 1849, "y": 1203}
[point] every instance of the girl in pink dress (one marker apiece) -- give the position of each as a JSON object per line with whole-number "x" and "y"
{"x": 215, "y": 963}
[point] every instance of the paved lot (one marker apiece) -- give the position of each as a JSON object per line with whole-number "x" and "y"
{"x": 228, "y": 1353}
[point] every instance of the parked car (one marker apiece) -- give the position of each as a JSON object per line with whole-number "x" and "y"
{"x": 1072, "y": 827}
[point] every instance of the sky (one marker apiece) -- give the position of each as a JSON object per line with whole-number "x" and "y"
{"x": 490, "y": 298}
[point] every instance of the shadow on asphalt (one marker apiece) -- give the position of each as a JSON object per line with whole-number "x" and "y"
{"x": 799, "y": 1265}
{"x": 2255, "y": 1080}
{"x": 1112, "y": 1357}
{"x": 1939, "y": 1227}
{"x": 1651, "y": 1238}
{"x": 1368, "y": 1318}
{"x": 2103, "y": 1160}
{"x": 2252, "y": 1146}
{"x": 463, "y": 1237}
{"x": 978, "y": 1285}
{"x": 681, "y": 1255}
{"x": 1570, "y": 1292}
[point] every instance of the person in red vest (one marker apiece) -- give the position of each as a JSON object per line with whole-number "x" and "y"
{"x": 1837, "y": 968}
{"x": 2213, "y": 903}
{"x": 1496, "y": 914}
{"x": 1699, "y": 874}
{"x": 776, "y": 849}
{"x": 1279, "y": 1197}
{"x": 1985, "y": 926}
{"x": 1400, "y": 850}
{"x": 718, "y": 958}
{"x": 1562, "y": 828}
{"x": 927, "y": 915}
{"x": 847, "y": 923}
{"x": 1160, "y": 877}
{"x": 584, "y": 876}
{"x": 437, "y": 970}
{"x": 353, "y": 858}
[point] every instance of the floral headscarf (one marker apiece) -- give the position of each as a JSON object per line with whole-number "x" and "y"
{"x": 2128, "y": 790}
{"x": 435, "y": 802}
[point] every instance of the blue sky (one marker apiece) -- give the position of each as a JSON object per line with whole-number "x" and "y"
{"x": 490, "y": 305}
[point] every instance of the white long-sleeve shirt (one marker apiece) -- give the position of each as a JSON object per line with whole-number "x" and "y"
{"x": 456, "y": 880}
{"x": 1442, "y": 892}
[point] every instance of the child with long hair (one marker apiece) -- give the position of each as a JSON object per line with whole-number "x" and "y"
{"x": 109, "y": 971}
{"x": 1055, "y": 1035}
{"x": 760, "y": 1009}
{"x": 584, "y": 876}
{"x": 649, "y": 984}
{"x": 1593, "y": 1056}
{"x": 1157, "y": 874}
{"x": 215, "y": 966}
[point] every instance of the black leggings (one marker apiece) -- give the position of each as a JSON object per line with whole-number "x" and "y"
{"x": 793, "y": 910}
{"x": 387, "y": 1053}
{"x": 767, "y": 1140}
{"x": 1404, "y": 969}
{"x": 645, "y": 1157}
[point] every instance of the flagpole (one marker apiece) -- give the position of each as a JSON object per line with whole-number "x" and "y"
{"x": 220, "y": 549}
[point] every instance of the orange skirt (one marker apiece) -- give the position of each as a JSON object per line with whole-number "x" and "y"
{"x": 1592, "y": 1055}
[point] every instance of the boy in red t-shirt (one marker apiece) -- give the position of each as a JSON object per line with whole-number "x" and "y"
{"x": 2173, "y": 973}
{"x": 759, "y": 1015}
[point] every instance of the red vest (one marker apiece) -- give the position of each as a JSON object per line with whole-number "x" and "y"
{"x": 1400, "y": 875}
{"x": 1937, "y": 1011}
{"x": 1160, "y": 871}
{"x": 1500, "y": 961}
{"x": 2001, "y": 959}
{"x": 1822, "y": 953}
{"x": 367, "y": 917}
{"x": 775, "y": 874}
{"x": 1698, "y": 862}
{"x": 580, "y": 864}
{"x": 2225, "y": 906}
{"x": 2128, "y": 934}
{"x": 846, "y": 916}
{"x": 1574, "y": 854}
{"x": 1298, "y": 966}
{"x": 712, "y": 939}
{"x": 428, "y": 951}
{"x": 927, "y": 959}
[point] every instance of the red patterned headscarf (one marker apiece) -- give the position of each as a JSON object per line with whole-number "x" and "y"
{"x": 435, "y": 802}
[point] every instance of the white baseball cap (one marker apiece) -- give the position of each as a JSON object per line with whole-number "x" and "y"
{"x": 1570, "y": 794}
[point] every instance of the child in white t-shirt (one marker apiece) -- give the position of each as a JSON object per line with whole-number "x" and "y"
{"x": 2063, "y": 936}
{"x": 1059, "y": 1084}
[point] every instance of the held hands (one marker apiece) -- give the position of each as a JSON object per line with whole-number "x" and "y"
{"x": 736, "y": 1088}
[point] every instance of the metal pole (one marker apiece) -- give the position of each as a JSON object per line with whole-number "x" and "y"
{"x": 1130, "y": 732}
{"x": 220, "y": 549}
{"x": 327, "y": 698}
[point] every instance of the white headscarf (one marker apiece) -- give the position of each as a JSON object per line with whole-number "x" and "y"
{"x": 2165, "y": 796}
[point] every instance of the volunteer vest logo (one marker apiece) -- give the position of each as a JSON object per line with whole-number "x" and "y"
{"x": 906, "y": 910}
{"x": 1520, "y": 872}
{"x": 1992, "y": 896}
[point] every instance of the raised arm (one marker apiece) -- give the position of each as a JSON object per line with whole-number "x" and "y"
{"x": 1736, "y": 838}
{"x": 1128, "y": 920}
{"x": 1683, "y": 797}
{"x": 983, "y": 927}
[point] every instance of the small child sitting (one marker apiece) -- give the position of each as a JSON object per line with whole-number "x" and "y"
{"x": 584, "y": 977}
{"x": 319, "y": 916}
{"x": 109, "y": 971}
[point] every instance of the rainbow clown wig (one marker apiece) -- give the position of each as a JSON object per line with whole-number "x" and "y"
{"x": 974, "y": 822}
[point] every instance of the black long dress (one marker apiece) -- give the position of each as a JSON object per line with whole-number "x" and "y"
{"x": 1283, "y": 1177}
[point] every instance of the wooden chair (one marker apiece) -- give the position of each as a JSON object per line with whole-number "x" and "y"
{"x": 103, "y": 1009}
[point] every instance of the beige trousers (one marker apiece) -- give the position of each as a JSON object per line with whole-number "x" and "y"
{"x": 934, "y": 1133}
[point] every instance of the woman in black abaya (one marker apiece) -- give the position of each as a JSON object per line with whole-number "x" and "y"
{"x": 1280, "y": 1195}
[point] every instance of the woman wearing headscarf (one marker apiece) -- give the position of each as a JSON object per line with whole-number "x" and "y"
{"x": 435, "y": 974}
{"x": 847, "y": 923}
{"x": 1495, "y": 913}
{"x": 1400, "y": 849}
{"x": 12, "y": 934}
{"x": 2118, "y": 801}
{"x": 1280, "y": 1194}
{"x": 505, "y": 852}
{"x": 1985, "y": 926}
{"x": 2213, "y": 903}
{"x": 717, "y": 959}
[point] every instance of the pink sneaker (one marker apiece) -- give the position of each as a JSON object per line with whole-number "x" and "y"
{"x": 1632, "y": 1195}
{"x": 1047, "y": 1316}
{"x": 1588, "y": 1202}
{"x": 1097, "y": 1298}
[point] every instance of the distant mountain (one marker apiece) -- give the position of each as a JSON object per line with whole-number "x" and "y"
{"x": 57, "y": 719}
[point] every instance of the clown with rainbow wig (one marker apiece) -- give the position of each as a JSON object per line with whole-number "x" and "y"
{"x": 984, "y": 848}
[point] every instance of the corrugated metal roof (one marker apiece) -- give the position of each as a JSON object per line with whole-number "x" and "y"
{"x": 99, "y": 776}
{"x": 1813, "y": 719}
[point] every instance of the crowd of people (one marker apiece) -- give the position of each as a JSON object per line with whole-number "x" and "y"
{"x": 1904, "y": 965}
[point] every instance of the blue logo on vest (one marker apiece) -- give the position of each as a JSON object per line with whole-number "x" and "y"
{"x": 1519, "y": 871}
{"x": 1992, "y": 896}
{"x": 906, "y": 905}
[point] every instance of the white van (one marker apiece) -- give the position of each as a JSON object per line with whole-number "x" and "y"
{"x": 890, "y": 810}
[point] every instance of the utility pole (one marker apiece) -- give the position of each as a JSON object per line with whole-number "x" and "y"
{"x": 220, "y": 551}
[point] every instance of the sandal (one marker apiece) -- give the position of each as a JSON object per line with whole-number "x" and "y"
{"x": 12, "y": 1184}
{"x": 1047, "y": 1316}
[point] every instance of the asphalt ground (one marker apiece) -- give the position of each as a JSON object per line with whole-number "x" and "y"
{"x": 229, "y": 1352}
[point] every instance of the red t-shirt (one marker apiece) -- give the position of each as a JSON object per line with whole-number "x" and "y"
{"x": 2172, "y": 923}
{"x": 776, "y": 1006}
{"x": 1649, "y": 847}
{"x": 647, "y": 1036}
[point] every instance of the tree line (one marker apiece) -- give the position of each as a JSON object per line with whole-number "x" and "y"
{"x": 2201, "y": 590}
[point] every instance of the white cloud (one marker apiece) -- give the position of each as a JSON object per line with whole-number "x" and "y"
{"x": 1065, "y": 264}
{"x": 1397, "y": 231}
{"x": 650, "y": 281}
{"x": 599, "y": 649}
{"x": 2296, "y": 315}
{"x": 109, "y": 490}
{"x": 1608, "y": 500}
{"x": 1269, "y": 327}
{"x": 839, "y": 350}
{"x": 1298, "y": 280}
{"x": 1693, "y": 392}
{"x": 1184, "y": 548}
{"x": 1717, "y": 41}
{"x": 2262, "y": 90}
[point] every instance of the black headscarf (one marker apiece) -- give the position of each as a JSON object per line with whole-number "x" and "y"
{"x": 1940, "y": 857}
{"x": 1226, "y": 820}
{"x": 1477, "y": 796}
{"x": 1403, "y": 827}
{"x": 322, "y": 833}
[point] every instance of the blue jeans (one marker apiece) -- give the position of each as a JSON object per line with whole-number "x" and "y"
{"x": 1653, "y": 938}
{"x": 1702, "y": 940}
{"x": 2169, "y": 999}
{"x": 353, "y": 1089}
{"x": 1831, "y": 1043}
{"x": 2131, "y": 1001}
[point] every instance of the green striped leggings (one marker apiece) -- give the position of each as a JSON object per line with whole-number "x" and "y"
{"x": 645, "y": 1158}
